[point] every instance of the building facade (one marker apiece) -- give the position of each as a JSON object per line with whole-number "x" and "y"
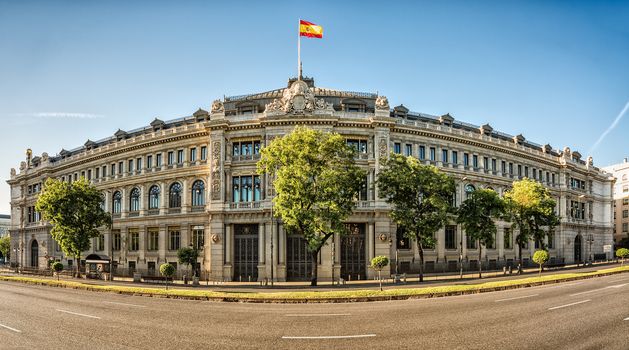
{"x": 193, "y": 181}
{"x": 621, "y": 199}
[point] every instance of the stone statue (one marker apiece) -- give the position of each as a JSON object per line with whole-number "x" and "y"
{"x": 13, "y": 172}
{"x": 218, "y": 107}
{"x": 382, "y": 102}
{"x": 590, "y": 161}
{"x": 44, "y": 157}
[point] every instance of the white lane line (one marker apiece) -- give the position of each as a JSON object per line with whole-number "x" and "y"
{"x": 11, "y": 329}
{"x": 123, "y": 304}
{"x": 619, "y": 280}
{"x": 315, "y": 315}
{"x": 78, "y": 314}
{"x": 333, "y": 336}
{"x": 562, "y": 306}
{"x": 516, "y": 298}
{"x": 626, "y": 319}
{"x": 599, "y": 289}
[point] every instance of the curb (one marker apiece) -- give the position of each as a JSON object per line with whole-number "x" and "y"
{"x": 64, "y": 284}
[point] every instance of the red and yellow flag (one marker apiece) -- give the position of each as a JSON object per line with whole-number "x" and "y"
{"x": 310, "y": 30}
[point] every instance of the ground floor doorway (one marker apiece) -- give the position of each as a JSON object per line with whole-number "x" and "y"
{"x": 246, "y": 252}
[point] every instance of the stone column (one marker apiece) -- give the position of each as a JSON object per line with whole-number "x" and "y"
{"x": 162, "y": 244}
{"x": 281, "y": 247}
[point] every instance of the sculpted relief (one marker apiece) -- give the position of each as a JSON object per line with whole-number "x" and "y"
{"x": 382, "y": 103}
{"x": 297, "y": 99}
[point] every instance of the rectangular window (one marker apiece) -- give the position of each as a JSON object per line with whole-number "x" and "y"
{"x": 455, "y": 157}
{"x": 422, "y": 152}
{"x": 120, "y": 167}
{"x": 174, "y": 239}
{"x": 83, "y": 174}
{"x": 475, "y": 161}
{"x": 433, "y": 154}
{"x": 198, "y": 238}
{"x": 625, "y": 213}
{"x": 510, "y": 168}
{"x": 508, "y": 239}
{"x": 625, "y": 227}
{"x": 97, "y": 174}
{"x": 397, "y": 148}
{"x": 486, "y": 163}
{"x": 89, "y": 174}
{"x": 130, "y": 168}
{"x": 138, "y": 164}
{"x": 134, "y": 240}
{"x": 444, "y": 155}
{"x": 246, "y": 189}
{"x": 408, "y": 150}
{"x": 171, "y": 157}
{"x": 153, "y": 235}
{"x": 203, "y": 152}
{"x": 526, "y": 171}
{"x": 113, "y": 169}
{"x": 471, "y": 243}
{"x": 551, "y": 240}
{"x": 466, "y": 159}
{"x": 493, "y": 242}
{"x": 519, "y": 170}
{"x": 625, "y": 201}
{"x": 451, "y": 237}
{"x": 100, "y": 243}
{"x": 503, "y": 167}
{"x": 360, "y": 146}
{"x": 116, "y": 239}
{"x": 493, "y": 165}
{"x": 104, "y": 170}
{"x": 180, "y": 157}
{"x": 149, "y": 161}
{"x": 552, "y": 176}
{"x": 193, "y": 154}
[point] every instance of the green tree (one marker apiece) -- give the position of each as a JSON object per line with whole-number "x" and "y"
{"x": 622, "y": 253}
{"x": 531, "y": 209}
{"x": 188, "y": 256}
{"x": 167, "y": 270}
{"x": 421, "y": 197}
{"x": 476, "y": 215}
{"x": 378, "y": 263}
{"x": 75, "y": 212}
{"x": 540, "y": 258}
{"x": 316, "y": 184}
{"x": 56, "y": 267}
{"x": 5, "y": 247}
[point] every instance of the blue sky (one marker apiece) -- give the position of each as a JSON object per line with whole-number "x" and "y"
{"x": 72, "y": 70}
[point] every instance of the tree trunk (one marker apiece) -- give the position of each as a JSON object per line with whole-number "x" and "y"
{"x": 540, "y": 270}
{"x": 421, "y": 261}
{"x": 78, "y": 266}
{"x": 480, "y": 256}
{"x": 313, "y": 269}
{"x": 380, "y": 280}
{"x": 519, "y": 258}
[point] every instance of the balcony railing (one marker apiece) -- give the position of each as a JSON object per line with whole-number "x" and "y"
{"x": 244, "y": 157}
{"x": 244, "y": 205}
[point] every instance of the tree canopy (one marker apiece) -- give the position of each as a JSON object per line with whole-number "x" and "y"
{"x": 5, "y": 247}
{"x": 188, "y": 256}
{"x": 316, "y": 184}
{"x": 421, "y": 198}
{"x": 476, "y": 216}
{"x": 75, "y": 212}
{"x": 531, "y": 209}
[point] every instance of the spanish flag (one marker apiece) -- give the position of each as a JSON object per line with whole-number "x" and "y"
{"x": 310, "y": 30}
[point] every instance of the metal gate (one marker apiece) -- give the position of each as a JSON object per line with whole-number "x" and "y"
{"x": 353, "y": 253}
{"x": 298, "y": 260}
{"x": 245, "y": 253}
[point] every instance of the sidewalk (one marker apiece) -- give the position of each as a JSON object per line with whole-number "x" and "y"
{"x": 469, "y": 278}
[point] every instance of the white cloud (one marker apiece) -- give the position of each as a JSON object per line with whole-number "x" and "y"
{"x": 610, "y": 128}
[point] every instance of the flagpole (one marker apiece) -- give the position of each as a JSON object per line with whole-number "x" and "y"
{"x": 299, "y": 50}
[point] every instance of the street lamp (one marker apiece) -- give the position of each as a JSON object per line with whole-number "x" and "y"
{"x": 461, "y": 245}
{"x": 590, "y": 239}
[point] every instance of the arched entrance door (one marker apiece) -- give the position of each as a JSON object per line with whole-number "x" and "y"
{"x": 577, "y": 249}
{"x": 34, "y": 254}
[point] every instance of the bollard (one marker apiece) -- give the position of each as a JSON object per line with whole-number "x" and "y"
{"x": 504, "y": 270}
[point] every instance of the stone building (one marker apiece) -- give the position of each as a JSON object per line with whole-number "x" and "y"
{"x": 621, "y": 199}
{"x": 193, "y": 181}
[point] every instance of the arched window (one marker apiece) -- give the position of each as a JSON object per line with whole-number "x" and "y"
{"x": 134, "y": 200}
{"x": 174, "y": 195}
{"x": 117, "y": 202}
{"x": 154, "y": 197}
{"x": 469, "y": 188}
{"x": 198, "y": 193}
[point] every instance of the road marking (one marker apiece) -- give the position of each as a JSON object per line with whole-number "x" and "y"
{"x": 78, "y": 314}
{"x": 599, "y": 289}
{"x": 333, "y": 336}
{"x": 11, "y": 329}
{"x": 619, "y": 280}
{"x": 315, "y": 315}
{"x": 575, "y": 303}
{"x": 123, "y": 304}
{"x": 626, "y": 319}
{"x": 516, "y": 298}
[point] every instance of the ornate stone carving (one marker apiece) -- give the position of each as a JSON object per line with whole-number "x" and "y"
{"x": 382, "y": 103}
{"x": 216, "y": 170}
{"x": 383, "y": 148}
{"x": 218, "y": 107}
{"x": 44, "y": 157}
{"x": 13, "y": 172}
{"x": 215, "y": 238}
{"x": 297, "y": 99}
{"x": 22, "y": 165}
{"x": 590, "y": 161}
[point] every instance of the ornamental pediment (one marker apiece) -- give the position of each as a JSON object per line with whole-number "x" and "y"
{"x": 298, "y": 99}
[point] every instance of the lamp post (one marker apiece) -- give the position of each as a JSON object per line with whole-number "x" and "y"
{"x": 461, "y": 245}
{"x": 590, "y": 240}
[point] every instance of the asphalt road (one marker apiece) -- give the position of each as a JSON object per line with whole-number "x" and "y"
{"x": 587, "y": 314}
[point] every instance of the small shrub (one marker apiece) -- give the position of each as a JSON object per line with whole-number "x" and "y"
{"x": 622, "y": 253}
{"x": 167, "y": 270}
{"x": 378, "y": 263}
{"x": 56, "y": 267}
{"x": 540, "y": 258}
